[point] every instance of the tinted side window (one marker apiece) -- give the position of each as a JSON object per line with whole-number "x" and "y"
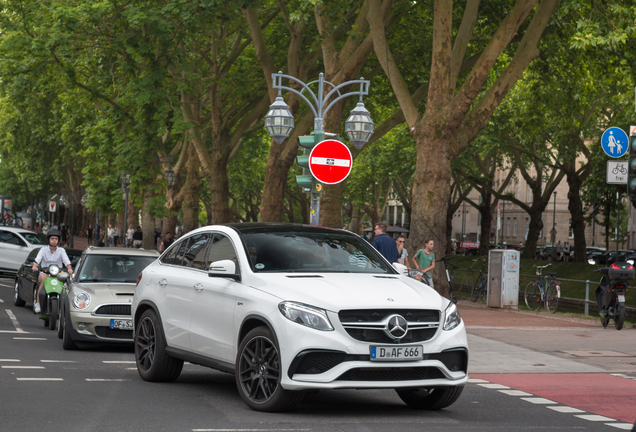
{"x": 221, "y": 248}
{"x": 181, "y": 252}
{"x": 33, "y": 254}
{"x": 169, "y": 257}
{"x": 195, "y": 255}
{"x": 10, "y": 238}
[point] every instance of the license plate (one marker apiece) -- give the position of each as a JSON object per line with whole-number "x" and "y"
{"x": 621, "y": 298}
{"x": 395, "y": 353}
{"x": 121, "y": 324}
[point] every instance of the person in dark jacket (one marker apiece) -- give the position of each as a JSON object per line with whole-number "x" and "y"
{"x": 138, "y": 237}
{"x": 385, "y": 244}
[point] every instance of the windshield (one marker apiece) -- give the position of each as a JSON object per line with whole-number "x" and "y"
{"x": 281, "y": 252}
{"x": 112, "y": 268}
{"x": 34, "y": 238}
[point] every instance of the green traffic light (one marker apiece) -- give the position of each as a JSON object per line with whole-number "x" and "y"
{"x": 632, "y": 187}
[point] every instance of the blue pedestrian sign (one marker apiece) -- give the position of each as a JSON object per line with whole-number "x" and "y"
{"x": 614, "y": 142}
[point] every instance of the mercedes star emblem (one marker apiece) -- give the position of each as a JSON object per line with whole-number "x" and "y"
{"x": 397, "y": 327}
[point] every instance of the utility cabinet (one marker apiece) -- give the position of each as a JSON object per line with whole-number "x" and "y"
{"x": 503, "y": 278}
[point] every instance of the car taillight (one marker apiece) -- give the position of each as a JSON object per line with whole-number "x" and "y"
{"x": 558, "y": 283}
{"x": 139, "y": 278}
{"x": 615, "y": 267}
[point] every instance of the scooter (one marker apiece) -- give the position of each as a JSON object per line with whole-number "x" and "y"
{"x": 610, "y": 294}
{"x": 50, "y": 295}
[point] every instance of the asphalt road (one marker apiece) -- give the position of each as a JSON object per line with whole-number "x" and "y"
{"x": 43, "y": 387}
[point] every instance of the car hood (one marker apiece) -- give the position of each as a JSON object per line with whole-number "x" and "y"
{"x": 111, "y": 291}
{"x": 338, "y": 291}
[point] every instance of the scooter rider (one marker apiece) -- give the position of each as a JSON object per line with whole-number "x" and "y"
{"x": 47, "y": 256}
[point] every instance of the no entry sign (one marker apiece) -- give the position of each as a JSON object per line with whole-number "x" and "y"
{"x": 330, "y": 161}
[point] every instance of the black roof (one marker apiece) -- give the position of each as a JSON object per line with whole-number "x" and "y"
{"x": 272, "y": 227}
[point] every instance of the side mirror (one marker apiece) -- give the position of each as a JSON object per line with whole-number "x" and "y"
{"x": 62, "y": 276}
{"x": 224, "y": 269}
{"x": 401, "y": 268}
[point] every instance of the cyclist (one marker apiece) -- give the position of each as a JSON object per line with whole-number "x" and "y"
{"x": 47, "y": 256}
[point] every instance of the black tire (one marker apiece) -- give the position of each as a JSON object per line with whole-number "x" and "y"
{"x": 604, "y": 321}
{"x": 551, "y": 299}
{"x": 434, "y": 398}
{"x": 619, "y": 318}
{"x": 17, "y": 301}
{"x": 153, "y": 363}
{"x": 259, "y": 372}
{"x": 60, "y": 324}
{"x": 474, "y": 292}
{"x": 53, "y": 314}
{"x": 483, "y": 291}
{"x": 532, "y": 296}
{"x": 17, "y": 222}
{"x": 67, "y": 341}
{"x": 46, "y": 323}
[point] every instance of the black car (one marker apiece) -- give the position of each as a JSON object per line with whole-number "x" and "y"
{"x": 25, "y": 285}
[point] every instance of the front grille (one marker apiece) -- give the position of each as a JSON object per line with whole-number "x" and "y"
{"x": 455, "y": 361}
{"x": 371, "y": 315}
{"x": 317, "y": 362}
{"x": 369, "y": 325}
{"x": 392, "y": 374}
{"x": 113, "y": 309}
{"x": 108, "y": 332}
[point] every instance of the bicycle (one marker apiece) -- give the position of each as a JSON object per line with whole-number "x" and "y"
{"x": 479, "y": 290}
{"x": 450, "y": 276}
{"x": 8, "y": 220}
{"x": 544, "y": 290}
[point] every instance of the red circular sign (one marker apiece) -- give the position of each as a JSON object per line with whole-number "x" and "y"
{"x": 330, "y": 161}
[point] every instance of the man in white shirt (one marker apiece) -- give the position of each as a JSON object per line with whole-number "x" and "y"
{"x": 47, "y": 256}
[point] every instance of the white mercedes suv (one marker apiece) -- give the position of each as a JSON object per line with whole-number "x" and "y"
{"x": 288, "y": 308}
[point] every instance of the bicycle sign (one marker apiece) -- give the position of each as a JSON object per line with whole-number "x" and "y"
{"x": 616, "y": 172}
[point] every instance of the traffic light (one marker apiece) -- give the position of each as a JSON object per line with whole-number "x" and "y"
{"x": 631, "y": 171}
{"x": 306, "y": 181}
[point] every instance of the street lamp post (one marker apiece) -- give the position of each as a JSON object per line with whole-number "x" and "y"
{"x": 279, "y": 121}
{"x": 125, "y": 187}
{"x": 553, "y": 233}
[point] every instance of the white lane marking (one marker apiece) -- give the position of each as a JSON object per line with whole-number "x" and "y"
{"x": 121, "y": 361}
{"x": 476, "y": 381}
{"x": 21, "y": 338}
{"x": 14, "y": 331}
{"x": 14, "y": 320}
{"x": 40, "y": 379}
{"x": 566, "y": 409}
{"x": 23, "y": 367}
{"x": 493, "y": 386}
{"x": 246, "y": 430}
{"x": 538, "y": 400}
{"x": 594, "y": 417}
{"x": 1, "y": 301}
{"x": 515, "y": 393}
{"x": 57, "y": 361}
{"x": 623, "y": 376}
{"x": 131, "y": 368}
{"x": 624, "y": 426}
{"x": 9, "y": 360}
{"x": 104, "y": 379}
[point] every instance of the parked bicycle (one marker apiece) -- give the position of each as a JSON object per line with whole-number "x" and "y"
{"x": 479, "y": 290}
{"x": 450, "y": 276}
{"x": 8, "y": 219}
{"x": 544, "y": 290}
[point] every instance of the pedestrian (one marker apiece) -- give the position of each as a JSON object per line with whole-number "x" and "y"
{"x": 98, "y": 231}
{"x": 157, "y": 237}
{"x": 566, "y": 252}
{"x": 402, "y": 251}
{"x": 385, "y": 244}
{"x": 129, "y": 235}
{"x": 424, "y": 260}
{"x": 64, "y": 232}
{"x": 89, "y": 231}
{"x": 165, "y": 244}
{"x": 138, "y": 237}
{"x": 559, "y": 251}
{"x": 110, "y": 233}
{"x": 116, "y": 235}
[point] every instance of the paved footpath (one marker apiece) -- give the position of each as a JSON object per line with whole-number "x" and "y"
{"x": 552, "y": 359}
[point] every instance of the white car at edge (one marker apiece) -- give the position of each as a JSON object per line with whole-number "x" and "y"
{"x": 288, "y": 308}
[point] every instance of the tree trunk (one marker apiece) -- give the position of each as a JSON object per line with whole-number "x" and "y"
{"x": 535, "y": 225}
{"x": 148, "y": 220}
{"x": 191, "y": 193}
{"x": 272, "y": 201}
{"x": 485, "y": 210}
{"x": 449, "y": 228}
{"x": 575, "y": 205}
{"x": 354, "y": 225}
{"x": 331, "y": 201}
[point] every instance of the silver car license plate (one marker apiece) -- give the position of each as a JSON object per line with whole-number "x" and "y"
{"x": 121, "y": 324}
{"x": 396, "y": 353}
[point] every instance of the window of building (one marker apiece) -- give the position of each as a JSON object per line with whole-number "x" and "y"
{"x": 391, "y": 215}
{"x": 514, "y": 227}
{"x": 400, "y": 215}
{"x": 570, "y": 229}
{"x": 508, "y": 228}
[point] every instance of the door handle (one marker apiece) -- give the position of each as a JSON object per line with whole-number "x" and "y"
{"x": 163, "y": 282}
{"x": 198, "y": 287}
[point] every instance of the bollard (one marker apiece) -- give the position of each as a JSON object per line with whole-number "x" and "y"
{"x": 587, "y": 297}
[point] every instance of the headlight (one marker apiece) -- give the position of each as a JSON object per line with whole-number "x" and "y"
{"x": 452, "y": 318}
{"x": 81, "y": 300}
{"x": 306, "y": 315}
{"x": 54, "y": 270}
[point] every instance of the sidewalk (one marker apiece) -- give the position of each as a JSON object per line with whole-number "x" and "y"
{"x": 510, "y": 341}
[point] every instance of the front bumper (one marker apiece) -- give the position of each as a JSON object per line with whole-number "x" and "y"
{"x": 97, "y": 328}
{"x": 314, "y": 359}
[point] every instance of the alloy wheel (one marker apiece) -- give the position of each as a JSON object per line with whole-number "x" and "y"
{"x": 146, "y": 343}
{"x": 259, "y": 369}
